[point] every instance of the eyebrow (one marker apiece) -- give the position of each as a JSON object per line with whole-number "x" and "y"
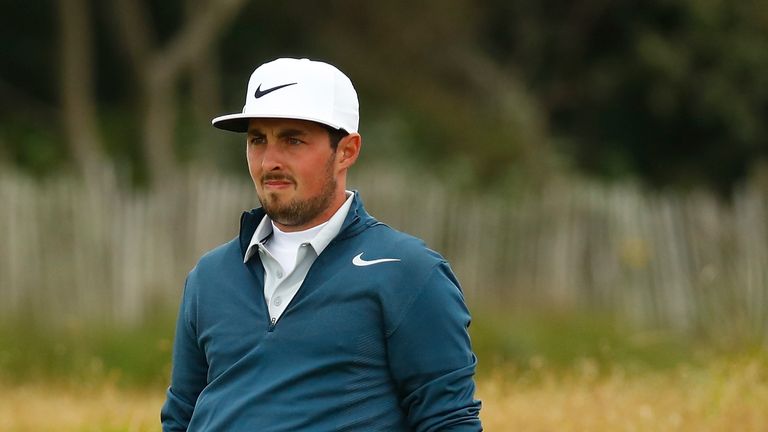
{"x": 291, "y": 133}
{"x": 284, "y": 133}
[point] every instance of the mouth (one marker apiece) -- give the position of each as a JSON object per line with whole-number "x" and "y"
{"x": 277, "y": 183}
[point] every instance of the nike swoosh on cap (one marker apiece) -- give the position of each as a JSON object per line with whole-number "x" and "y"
{"x": 360, "y": 262}
{"x": 259, "y": 92}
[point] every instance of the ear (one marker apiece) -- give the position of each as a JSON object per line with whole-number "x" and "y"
{"x": 348, "y": 150}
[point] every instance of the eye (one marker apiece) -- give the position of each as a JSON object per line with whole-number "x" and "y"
{"x": 255, "y": 140}
{"x": 294, "y": 141}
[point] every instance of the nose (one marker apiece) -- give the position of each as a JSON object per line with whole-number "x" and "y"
{"x": 272, "y": 159}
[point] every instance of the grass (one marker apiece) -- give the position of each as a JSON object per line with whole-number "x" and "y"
{"x": 561, "y": 340}
{"x": 722, "y": 395}
{"x": 136, "y": 357}
{"x": 543, "y": 372}
{"x": 87, "y": 354}
{"x": 71, "y": 407}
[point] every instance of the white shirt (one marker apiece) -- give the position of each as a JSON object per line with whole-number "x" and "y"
{"x": 287, "y": 257}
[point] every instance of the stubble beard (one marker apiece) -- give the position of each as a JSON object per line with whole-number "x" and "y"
{"x": 297, "y": 212}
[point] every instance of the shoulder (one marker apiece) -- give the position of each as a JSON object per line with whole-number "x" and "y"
{"x": 217, "y": 260}
{"x": 410, "y": 250}
{"x": 411, "y": 266}
{"x": 420, "y": 281}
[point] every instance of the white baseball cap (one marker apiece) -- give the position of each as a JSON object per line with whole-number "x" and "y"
{"x": 297, "y": 89}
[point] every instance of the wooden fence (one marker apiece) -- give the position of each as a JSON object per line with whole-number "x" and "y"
{"x": 690, "y": 262}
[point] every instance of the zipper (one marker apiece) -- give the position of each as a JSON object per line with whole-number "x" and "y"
{"x": 310, "y": 273}
{"x": 259, "y": 278}
{"x": 272, "y": 321}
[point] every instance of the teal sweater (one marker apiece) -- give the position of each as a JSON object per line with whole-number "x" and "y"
{"x": 382, "y": 347}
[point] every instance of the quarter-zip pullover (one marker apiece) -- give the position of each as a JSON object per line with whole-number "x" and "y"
{"x": 374, "y": 340}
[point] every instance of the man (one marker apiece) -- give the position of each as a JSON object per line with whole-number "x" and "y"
{"x": 317, "y": 317}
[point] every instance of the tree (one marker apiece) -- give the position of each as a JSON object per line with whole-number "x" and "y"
{"x": 467, "y": 112}
{"x": 672, "y": 92}
{"x": 76, "y": 86}
{"x": 159, "y": 69}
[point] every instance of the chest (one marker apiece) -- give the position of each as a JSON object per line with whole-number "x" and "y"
{"x": 334, "y": 320}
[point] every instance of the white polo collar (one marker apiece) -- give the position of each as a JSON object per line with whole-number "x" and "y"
{"x": 319, "y": 243}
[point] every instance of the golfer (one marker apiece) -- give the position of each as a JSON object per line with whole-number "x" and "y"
{"x": 317, "y": 317}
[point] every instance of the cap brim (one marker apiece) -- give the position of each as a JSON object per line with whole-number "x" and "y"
{"x": 239, "y": 122}
{"x": 232, "y": 122}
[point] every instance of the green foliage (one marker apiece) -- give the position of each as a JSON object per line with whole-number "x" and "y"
{"x": 562, "y": 340}
{"x": 87, "y": 353}
{"x": 33, "y": 147}
{"x": 92, "y": 354}
{"x": 673, "y": 92}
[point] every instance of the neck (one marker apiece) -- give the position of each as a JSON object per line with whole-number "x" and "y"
{"x": 336, "y": 203}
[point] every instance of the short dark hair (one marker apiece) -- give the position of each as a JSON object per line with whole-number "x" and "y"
{"x": 335, "y": 135}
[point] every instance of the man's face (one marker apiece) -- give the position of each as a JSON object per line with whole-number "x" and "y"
{"x": 294, "y": 170}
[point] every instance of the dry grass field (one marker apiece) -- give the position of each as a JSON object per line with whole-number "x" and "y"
{"x": 719, "y": 396}
{"x": 722, "y": 396}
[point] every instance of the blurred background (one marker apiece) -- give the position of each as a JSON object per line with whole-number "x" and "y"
{"x": 594, "y": 170}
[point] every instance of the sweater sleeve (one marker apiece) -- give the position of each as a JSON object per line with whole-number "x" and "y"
{"x": 431, "y": 358}
{"x": 189, "y": 371}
